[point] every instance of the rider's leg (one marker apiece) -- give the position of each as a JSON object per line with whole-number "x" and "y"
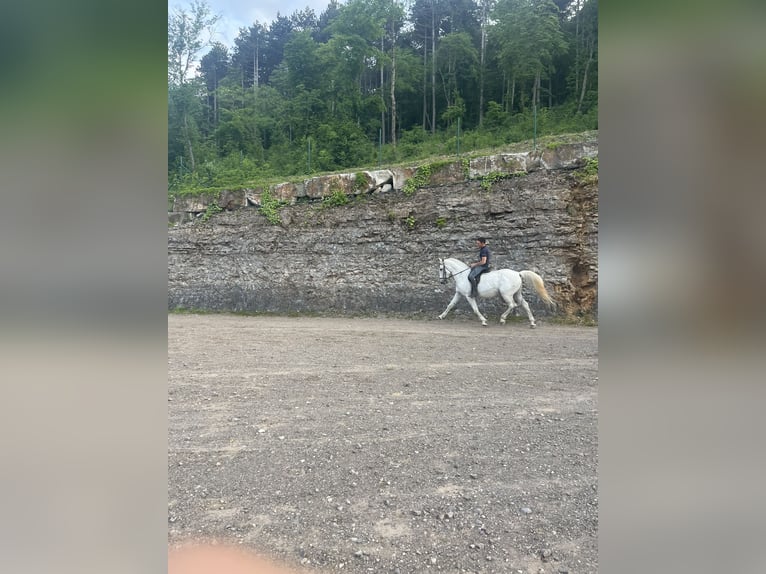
{"x": 472, "y": 280}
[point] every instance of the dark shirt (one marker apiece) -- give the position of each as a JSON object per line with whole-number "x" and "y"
{"x": 484, "y": 252}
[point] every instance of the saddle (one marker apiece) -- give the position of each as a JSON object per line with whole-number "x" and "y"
{"x": 476, "y": 279}
{"x": 482, "y": 272}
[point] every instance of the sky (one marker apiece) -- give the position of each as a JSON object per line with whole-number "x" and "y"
{"x": 236, "y": 14}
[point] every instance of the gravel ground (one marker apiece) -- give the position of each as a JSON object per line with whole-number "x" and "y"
{"x": 385, "y": 445}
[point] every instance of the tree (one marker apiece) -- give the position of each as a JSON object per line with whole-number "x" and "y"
{"x": 185, "y": 39}
{"x": 398, "y": 68}
{"x": 248, "y": 56}
{"x": 530, "y": 36}
{"x": 186, "y": 31}
{"x": 213, "y": 68}
{"x": 396, "y": 15}
{"x": 589, "y": 41}
{"x": 350, "y": 53}
{"x": 457, "y": 62}
{"x": 300, "y": 57}
{"x": 485, "y": 7}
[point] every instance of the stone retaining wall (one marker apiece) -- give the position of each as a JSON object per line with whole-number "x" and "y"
{"x": 379, "y": 253}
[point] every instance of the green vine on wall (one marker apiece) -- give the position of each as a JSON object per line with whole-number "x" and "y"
{"x": 361, "y": 182}
{"x": 269, "y": 208}
{"x": 588, "y": 174}
{"x": 420, "y": 178}
{"x": 466, "y": 167}
{"x": 337, "y": 197}
{"x": 492, "y": 177}
{"x": 211, "y": 210}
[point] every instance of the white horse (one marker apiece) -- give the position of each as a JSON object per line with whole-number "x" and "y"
{"x": 505, "y": 282}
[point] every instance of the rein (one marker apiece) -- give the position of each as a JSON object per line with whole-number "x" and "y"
{"x": 451, "y": 274}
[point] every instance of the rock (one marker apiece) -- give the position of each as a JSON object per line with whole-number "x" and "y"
{"x": 543, "y": 217}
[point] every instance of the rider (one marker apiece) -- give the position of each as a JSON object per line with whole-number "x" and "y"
{"x": 480, "y": 266}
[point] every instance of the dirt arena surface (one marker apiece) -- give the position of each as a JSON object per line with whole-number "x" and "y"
{"x": 383, "y": 445}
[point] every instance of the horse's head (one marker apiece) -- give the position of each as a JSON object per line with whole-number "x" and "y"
{"x": 443, "y": 273}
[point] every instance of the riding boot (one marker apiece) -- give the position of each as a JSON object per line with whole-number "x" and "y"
{"x": 472, "y": 281}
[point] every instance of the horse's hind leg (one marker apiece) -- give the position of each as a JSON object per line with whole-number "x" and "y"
{"x": 522, "y": 303}
{"x": 452, "y": 303}
{"x": 511, "y": 305}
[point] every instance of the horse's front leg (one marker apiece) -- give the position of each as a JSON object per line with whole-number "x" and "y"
{"x": 475, "y": 307}
{"x": 452, "y": 303}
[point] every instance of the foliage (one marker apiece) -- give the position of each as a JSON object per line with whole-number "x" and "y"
{"x": 313, "y": 93}
{"x": 269, "y": 208}
{"x": 185, "y": 38}
{"x": 490, "y": 178}
{"x": 420, "y": 178}
{"x": 336, "y": 198}
{"x": 361, "y": 181}
{"x": 441, "y": 222}
{"x": 588, "y": 174}
{"x": 212, "y": 209}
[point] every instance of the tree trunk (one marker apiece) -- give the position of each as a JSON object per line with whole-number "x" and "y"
{"x": 215, "y": 97}
{"x": 256, "y": 65}
{"x": 433, "y": 68}
{"x": 187, "y": 136}
{"x": 513, "y": 92}
{"x": 506, "y": 94}
{"x": 536, "y": 90}
{"x": 382, "y": 98}
{"x": 585, "y": 79}
{"x": 577, "y": 45}
{"x": 550, "y": 92}
{"x": 425, "y": 79}
{"x": 481, "y": 68}
{"x": 393, "y": 86}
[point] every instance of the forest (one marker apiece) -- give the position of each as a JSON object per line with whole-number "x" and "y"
{"x": 373, "y": 82}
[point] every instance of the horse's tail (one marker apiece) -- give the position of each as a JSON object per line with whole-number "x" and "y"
{"x": 537, "y": 283}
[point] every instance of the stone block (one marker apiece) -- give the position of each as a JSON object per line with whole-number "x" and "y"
{"x": 566, "y": 156}
{"x": 192, "y": 203}
{"x": 379, "y": 177}
{"x": 451, "y": 172}
{"x": 500, "y": 163}
{"x": 401, "y": 175}
{"x": 288, "y": 192}
{"x": 325, "y": 185}
{"x": 231, "y": 200}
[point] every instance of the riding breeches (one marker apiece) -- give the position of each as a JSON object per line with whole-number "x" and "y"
{"x": 475, "y": 272}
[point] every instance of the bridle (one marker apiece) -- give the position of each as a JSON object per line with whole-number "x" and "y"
{"x": 444, "y": 274}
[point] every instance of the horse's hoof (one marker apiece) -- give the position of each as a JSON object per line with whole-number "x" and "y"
{"x": 533, "y": 326}
{"x": 502, "y": 321}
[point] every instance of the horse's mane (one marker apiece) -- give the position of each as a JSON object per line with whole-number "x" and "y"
{"x": 457, "y": 263}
